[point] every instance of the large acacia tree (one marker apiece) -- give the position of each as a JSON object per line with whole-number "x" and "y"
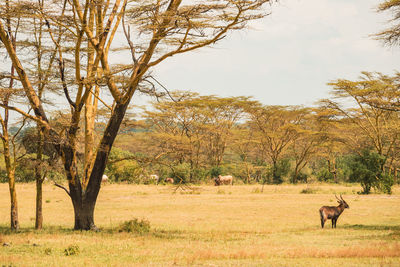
{"x": 83, "y": 33}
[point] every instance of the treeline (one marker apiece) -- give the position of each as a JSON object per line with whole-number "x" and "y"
{"x": 353, "y": 137}
{"x": 193, "y": 138}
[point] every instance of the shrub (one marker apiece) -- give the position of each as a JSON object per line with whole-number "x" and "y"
{"x": 301, "y": 177}
{"x": 71, "y": 250}
{"x": 135, "y": 226}
{"x": 324, "y": 175}
{"x": 281, "y": 169}
{"x": 181, "y": 173}
{"x": 215, "y": 171}
{"x": 367, "y": 169}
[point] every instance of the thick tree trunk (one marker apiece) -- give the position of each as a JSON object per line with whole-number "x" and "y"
{"x": 84, "y": 214}
{"x": 84, "y": 201}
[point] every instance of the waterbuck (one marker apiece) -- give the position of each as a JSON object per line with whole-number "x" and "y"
{"x": 332, "y": 212}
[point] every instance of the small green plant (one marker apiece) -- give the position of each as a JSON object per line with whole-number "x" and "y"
{"x": 48, "y": 251}
{"x": 135, "y": 226}
{"x": 71, "y": 250}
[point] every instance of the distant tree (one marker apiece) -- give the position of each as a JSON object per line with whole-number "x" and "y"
{"x": 306, "y": 143}
{"x": 243, "y": 143}
{"x": 276, "y": 129}
{"x": 195, "y": 129}
{"x": 368, "y": 124}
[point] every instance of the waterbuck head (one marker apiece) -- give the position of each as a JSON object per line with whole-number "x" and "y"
{"x": 342, "y": 202}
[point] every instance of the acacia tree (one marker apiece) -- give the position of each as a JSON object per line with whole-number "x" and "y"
{"x": 7, "y": 93}
{"x": 378, "y": 125}
{"x": 159, "y": 30}
{"x": 306, "y": 143}
{"x": 195, "y": 129}
{"x": 367, "y": 124}
{"x": 276, "y": 128}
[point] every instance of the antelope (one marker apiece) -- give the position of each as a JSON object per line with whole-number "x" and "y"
{"x": 332, "y": 212}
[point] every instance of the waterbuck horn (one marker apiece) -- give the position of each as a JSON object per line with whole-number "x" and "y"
{"x": 341, "y": 197}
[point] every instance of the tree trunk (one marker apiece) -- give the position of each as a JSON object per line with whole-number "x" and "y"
{"x": 11, "y": 181}
{"x": 14, "y": 202}
{"x": 39, "y": 180}
{"x": 84, "y": 214}
{"x": 39, "y": 203}
{"x": 84, "y": 201}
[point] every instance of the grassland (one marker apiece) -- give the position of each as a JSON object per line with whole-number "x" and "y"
{"x": 211, "y": 226}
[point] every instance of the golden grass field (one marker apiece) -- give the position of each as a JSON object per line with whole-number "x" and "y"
{"x": 211, "y": 226}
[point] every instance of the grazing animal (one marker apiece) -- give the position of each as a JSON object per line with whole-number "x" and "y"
{"x": 169, "y": 180}
{"x": 228, "y": 179}
{"x": 332, "y": 212}
{"x": 155, "y": 178}
{"x": 104, "y": 178}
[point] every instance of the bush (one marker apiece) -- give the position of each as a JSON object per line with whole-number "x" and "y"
{"x": 367, "y": 169}
{"x": 324, "y": 175}
{"x": 215, "y": 171}
{"x": 123, "y": 170}
{"x": 301, "y": 177}
{"x": 135, "y": 226}
{"x": 281, "y": 169}
{"x": 385, "y": 184}
{"x": 181, "y": 173}
{"x": 71, "y": 250}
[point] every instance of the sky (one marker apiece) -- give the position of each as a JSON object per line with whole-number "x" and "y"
{"x": 288, "y": 57}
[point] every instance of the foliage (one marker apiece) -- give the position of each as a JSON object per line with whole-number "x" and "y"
{"x": 72, "y": 250}
{"x": 324, "y": 175}
{"x": 181, "y": 173}
{"x": 367, "y": 169}
{"x": 123, "y": 168}
{"x": 300, "y": 177}
{"x": 135, "y": 226}
{"x": 215, "y": 171}
{"x": 281, "y": 169}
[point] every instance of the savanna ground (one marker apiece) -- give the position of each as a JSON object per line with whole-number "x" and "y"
{"x": 211, "y": 226}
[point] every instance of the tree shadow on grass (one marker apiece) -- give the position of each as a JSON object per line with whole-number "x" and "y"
{"x": 372, "y": 227}
{"x": 5, "y": 230}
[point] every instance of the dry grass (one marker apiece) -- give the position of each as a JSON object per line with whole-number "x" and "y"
{"x": 225, "y": 226}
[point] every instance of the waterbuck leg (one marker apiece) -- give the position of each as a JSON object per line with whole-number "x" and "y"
{"x": 322, "y": 218}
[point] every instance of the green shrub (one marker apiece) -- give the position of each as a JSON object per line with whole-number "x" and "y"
{"x": 280, "y": 170}
{"x": 367, "y": 170}
{"x": 181, "y": 173}
{"x": 71, "y": 250}
{"x": 135, "y": 226}
{"x": 324, "y": 175}
{"x": 301, "y": 177}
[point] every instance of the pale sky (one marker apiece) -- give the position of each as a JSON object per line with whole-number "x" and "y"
{"x": 288, "y": 57}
